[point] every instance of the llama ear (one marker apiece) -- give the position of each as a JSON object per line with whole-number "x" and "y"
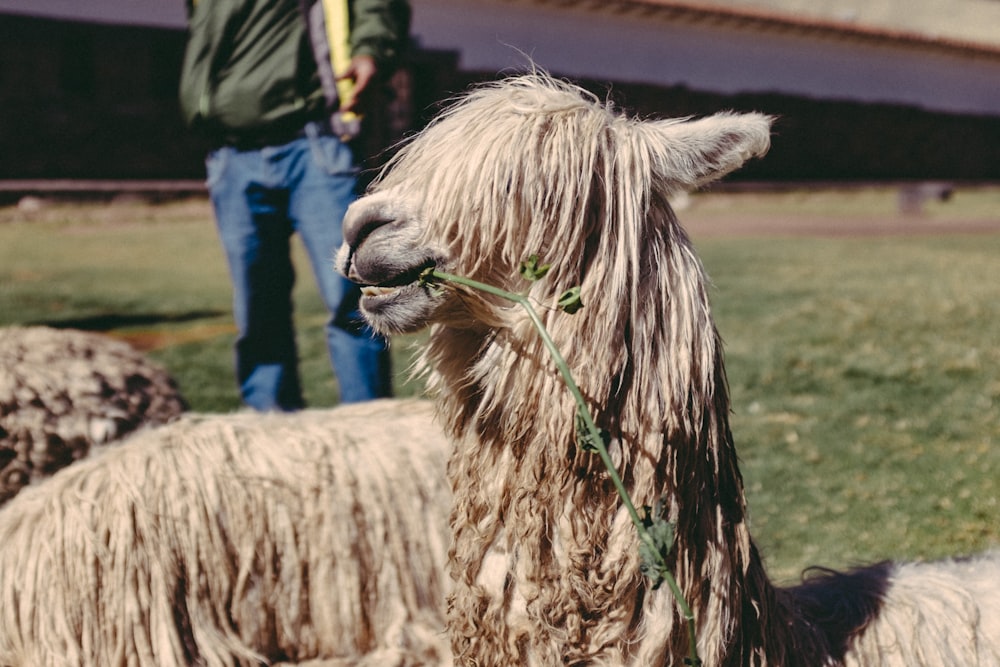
{"x": 698, "y": 152}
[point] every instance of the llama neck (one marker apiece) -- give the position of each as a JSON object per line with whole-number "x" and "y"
{"x": 543, "y": 545}
{"x": 544, "y": 557}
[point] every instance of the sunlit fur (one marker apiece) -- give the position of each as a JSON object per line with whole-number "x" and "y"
{"x": 241, "y": 539}
{"x": 544, "y": 557}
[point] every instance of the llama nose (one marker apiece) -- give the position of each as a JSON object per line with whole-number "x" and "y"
{"x": 361, "y": 219}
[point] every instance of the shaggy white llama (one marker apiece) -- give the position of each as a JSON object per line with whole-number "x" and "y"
{"x": 241, "y": 539}
{"x": 544, "y": 558}
{"x": 64, "y": 391}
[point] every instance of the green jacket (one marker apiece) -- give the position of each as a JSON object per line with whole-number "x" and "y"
{"x": 249, "y": 64}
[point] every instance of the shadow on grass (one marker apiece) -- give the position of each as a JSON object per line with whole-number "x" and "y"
{"x": 112, "y": 321}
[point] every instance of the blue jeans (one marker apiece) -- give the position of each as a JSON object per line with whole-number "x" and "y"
{"x": 261, "y": 197}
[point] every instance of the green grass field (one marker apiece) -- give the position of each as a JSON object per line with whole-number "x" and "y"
{"x": 865, "y": 370}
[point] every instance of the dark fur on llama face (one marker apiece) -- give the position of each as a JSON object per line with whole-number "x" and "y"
{"x": 544, "y": 557}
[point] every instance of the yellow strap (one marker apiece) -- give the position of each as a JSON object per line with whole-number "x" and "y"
{"x": 337, "y": 18}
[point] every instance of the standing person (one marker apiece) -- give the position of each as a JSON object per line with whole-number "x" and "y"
{"x": 257, "y": 79}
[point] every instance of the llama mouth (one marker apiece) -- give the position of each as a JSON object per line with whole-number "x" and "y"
{"x": 406, "y": 282}
{"x": 378, "y": 290}
{"x": 404, "y": 278}
{"x": 375, "y": 297}
{"x": 396, "y": 309}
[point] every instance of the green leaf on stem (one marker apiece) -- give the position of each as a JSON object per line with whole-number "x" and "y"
{"x": 531, "y": 270}
{"x": 585, "y": 439}
{"x": 570, "y": 301}
{"x": 661, "y": 532}
{"x": 430, "y": 281}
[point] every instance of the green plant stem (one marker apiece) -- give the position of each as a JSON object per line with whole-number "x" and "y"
{"x": 596, "y": 437}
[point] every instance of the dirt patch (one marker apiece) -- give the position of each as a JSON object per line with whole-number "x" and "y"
{"x": 145, "y": 341}
{"x": 877, "y": 210}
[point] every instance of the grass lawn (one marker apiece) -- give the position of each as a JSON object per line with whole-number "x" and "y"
{"x": 865, "y": 377}
{"x": 865, "y": 370}
{"x": 156, "y": 277}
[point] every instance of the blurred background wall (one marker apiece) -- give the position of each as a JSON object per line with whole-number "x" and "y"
{"x": 864, "y": 89}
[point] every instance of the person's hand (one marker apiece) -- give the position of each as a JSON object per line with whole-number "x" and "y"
{"x": 362, "y": 70}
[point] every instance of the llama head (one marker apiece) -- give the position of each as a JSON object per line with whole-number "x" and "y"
{"x": 533, "y": 166}
{"x": 528, "y": 166}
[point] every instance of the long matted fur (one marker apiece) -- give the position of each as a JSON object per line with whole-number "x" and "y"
{"x": 64, "y": 391}
{"x": 240, "y": 539}
{"x": 544, "y": 557}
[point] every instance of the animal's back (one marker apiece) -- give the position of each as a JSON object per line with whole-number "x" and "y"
{"x": 935, "y": 613}
{"x": 229, "y": 539}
